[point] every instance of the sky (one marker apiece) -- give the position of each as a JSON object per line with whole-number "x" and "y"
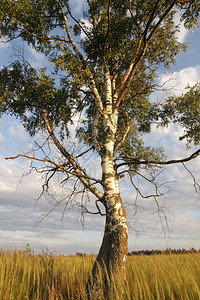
{"x": 20, "y": 212}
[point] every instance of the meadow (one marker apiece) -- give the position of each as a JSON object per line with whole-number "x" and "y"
{"x": 47, "y": 277}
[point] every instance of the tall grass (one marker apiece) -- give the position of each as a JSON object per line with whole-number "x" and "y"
{"x": 164, "y": 277}
{"x": 43, "y": 277}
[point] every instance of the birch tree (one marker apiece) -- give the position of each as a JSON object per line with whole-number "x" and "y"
{"x": 105, "y": 68}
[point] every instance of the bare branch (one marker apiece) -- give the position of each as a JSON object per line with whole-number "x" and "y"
{"x": 134, "y": 161}
{"x": 29, "y": 157}
{"x": 93, "y": 213}
{"x": 158, "y": 194}
{"x": 58, "y": 167}
{"x": 49, "y": 38}
{"x": 98, "y": 208}
{"x": 162, "y": 217}
{"x": 152, "y": 16}
{"x": 50, "y": 211}
{"x": 196, "y": 185}
{"x": 86, "y": 151}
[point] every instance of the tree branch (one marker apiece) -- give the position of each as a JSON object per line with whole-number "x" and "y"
{"x": 94, "y": 133}
{"x": 161, "y": 20}
{"x": 133, "y": 161}
{"x": 84, "y": 62}
{"x": 93, "y": 213}
{"x": 158, "y": 194}
{"x": 84, "y": 152}
{"x": 196, "y": 185}
{"x": 108, "y": 26}
{"x": 126, "y": 76}
{"x": 77, "y": 22}
{"x": 77, "y": 170}
{"x": 94, "y": 25}
{"x": 75, "y": 48}
{"x": 125, "y": 84}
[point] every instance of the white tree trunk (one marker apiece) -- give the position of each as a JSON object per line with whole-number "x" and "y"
{"x": 113, "y": 251}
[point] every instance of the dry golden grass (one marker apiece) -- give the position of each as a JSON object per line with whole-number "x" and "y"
{"x": 43, "y": 277}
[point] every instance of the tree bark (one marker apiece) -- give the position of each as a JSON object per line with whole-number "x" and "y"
{"x": 113, "y": 251}
{"x": 111, "y": 259}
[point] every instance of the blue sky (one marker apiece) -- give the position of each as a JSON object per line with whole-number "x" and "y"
{"x": 19, "y": 215}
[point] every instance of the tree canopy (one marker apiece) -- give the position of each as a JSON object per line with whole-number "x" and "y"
{"x": 86, "y": 50}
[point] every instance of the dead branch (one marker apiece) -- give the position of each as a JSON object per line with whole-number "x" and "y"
{"x": 195, "y": 183}
{"x": 133, "y": 161}
{"x": 86, "y": 151}
{"x": 93, "y": 213}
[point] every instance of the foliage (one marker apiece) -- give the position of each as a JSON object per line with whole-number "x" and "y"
{"x": 28, "y": 95}
{"x": 25, "y": 92}
{"x": 185, "y": 111}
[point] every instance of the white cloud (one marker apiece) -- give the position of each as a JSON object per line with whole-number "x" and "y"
{"x": 190, "y": 231}
{"x": 18, "y": 131}
{"x": 77, "y": 5}
{"x": 3, "y": 44}
{"x": 168, "y": 138}
{"x": 5, "y": 188}
{"x": 38, "y": 56}
{"x": 182, "y": 200}
{"x": 175, "y": 83}
{"x": 37, "y": 59}
{"x": 183, "y": 32}
{"x": 87, "y": 25}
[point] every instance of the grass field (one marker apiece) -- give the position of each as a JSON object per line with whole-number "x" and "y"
{"x": 26, "y": 276}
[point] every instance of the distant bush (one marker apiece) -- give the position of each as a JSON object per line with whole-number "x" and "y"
{"x": 167, "y": 251}
{"x": 80, "y": 254}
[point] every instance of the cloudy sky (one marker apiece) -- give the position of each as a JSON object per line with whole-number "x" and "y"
{"x": 20, "y": 215}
